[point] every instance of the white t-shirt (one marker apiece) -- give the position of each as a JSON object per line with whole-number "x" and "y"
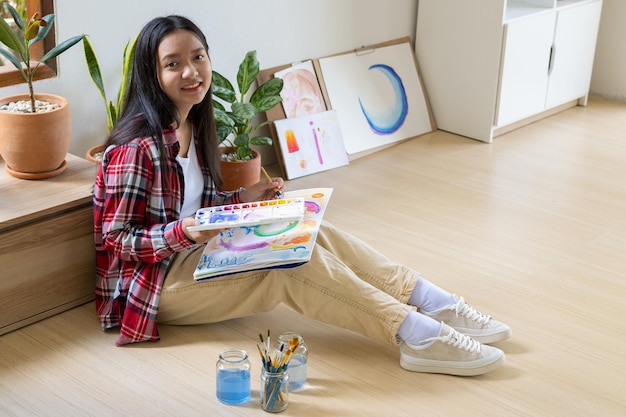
{"x": 194, "y": 182}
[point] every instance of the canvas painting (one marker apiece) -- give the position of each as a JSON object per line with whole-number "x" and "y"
{"x": 311, "y": 143}
{"x": 301, "y": 91}
{"x": 378, "y": 96}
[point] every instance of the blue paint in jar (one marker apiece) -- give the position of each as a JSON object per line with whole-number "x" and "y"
{"x": 233, "y": 386}
{"x": 233, "y": 377}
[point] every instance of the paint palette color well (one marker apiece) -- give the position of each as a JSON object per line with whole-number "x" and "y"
{"x": 249, "y": 214}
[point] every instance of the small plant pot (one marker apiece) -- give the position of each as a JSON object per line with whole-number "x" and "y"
{"x": 94, "y": 154}
{"x": 236, "y": 174}
{"x": 34, "y": 145}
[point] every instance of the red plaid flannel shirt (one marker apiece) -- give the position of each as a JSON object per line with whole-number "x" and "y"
{"x": 137, "y": 231}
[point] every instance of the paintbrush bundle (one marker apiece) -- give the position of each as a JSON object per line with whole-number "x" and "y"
{"x": 274, "y": 393}
{"x": 278, "y": 360}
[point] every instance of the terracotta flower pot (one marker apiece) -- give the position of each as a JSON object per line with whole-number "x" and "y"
{"x": 240, "y": 173}
{"x": 34, "y": 145}
{"x": 94, "y": 154}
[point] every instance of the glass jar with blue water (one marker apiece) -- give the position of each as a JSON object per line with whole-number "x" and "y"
{"x": 233, "y": 377}
{"x": 297, "y": 367}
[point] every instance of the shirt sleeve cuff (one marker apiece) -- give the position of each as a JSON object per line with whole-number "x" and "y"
{"x": 229, "y": 197}
{"x": 176, "y": 238}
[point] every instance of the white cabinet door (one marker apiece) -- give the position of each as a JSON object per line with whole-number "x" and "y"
{"x": 524, "y": 69}
{"x": 574, "y": 46}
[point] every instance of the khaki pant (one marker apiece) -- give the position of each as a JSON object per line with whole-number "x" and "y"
{"x": 346, "y": 283}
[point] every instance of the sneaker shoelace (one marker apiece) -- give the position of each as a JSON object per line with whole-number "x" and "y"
{"x": 464, "y": 309}
{"x": 458, "y": 340}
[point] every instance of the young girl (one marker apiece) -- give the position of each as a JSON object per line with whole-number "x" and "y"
{"x": 161, "y": 165}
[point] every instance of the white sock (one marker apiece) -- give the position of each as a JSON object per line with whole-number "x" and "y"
{"x": 429, "y": 297}
{"x": 418, "y": 327}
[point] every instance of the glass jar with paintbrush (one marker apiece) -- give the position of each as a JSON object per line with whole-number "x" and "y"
{"x": 274, "y": 391}
{"x": 298, "y": 364}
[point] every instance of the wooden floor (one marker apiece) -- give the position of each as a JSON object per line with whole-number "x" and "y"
{"x": 530, "y": 229}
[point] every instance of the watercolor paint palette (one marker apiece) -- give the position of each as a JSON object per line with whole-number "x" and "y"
{"x": 249, "y": 214}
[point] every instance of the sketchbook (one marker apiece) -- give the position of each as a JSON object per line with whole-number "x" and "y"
{"x": 282, "y": 243}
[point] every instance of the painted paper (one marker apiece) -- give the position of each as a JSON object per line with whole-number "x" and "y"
{"x": 378, "y": 96}
{"x": 311, "y": 143}
{"x": 301, "y": 92}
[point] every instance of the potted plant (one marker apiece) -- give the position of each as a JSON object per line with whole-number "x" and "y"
{"x": 113, "y": 110}
{"x": 35, "y": 129}
{"x": 236, "y": 127}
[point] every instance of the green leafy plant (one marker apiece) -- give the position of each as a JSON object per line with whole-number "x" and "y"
{"x": 113, "y": 109}
{"x": 19, "y": 5}
{"x": 18, "y": 45}
{"x": 236, "y": 127}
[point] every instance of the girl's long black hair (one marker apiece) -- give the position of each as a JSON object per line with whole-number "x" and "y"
{"x": 148, "y": 110}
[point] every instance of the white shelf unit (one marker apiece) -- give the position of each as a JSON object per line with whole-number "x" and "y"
{"x": 489, "y": 64}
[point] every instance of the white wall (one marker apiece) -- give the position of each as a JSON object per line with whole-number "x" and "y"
{"x": 282, "y": 31}
{"x": 609, "y": 70}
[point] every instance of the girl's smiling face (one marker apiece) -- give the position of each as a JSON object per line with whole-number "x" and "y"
{"x": 184, "y": 69}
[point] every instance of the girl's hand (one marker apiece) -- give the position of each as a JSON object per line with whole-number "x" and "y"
{"x": 202, "y": 236}
{"x": 263, "y": 190}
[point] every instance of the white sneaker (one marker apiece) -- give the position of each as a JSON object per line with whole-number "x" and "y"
{"x": 469, "y": 321}
{"x": 450, "y": 353}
